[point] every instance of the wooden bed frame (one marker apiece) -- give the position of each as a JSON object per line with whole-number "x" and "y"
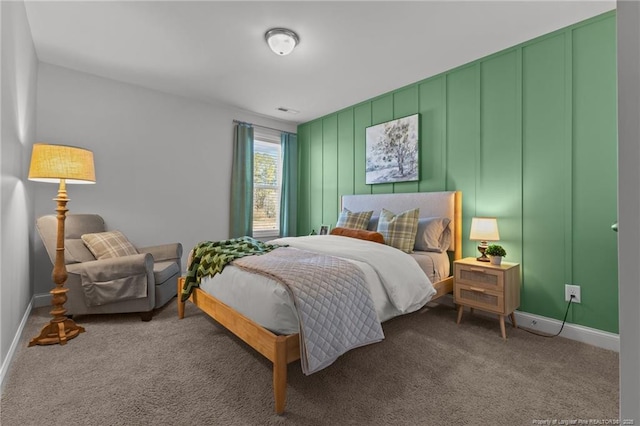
{"x": 282, "y": 350}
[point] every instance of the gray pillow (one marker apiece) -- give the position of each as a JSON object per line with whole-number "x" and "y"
{"x": 433, "y": 234}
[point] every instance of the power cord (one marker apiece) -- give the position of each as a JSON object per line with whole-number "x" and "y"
{"x": 563, "y": 321}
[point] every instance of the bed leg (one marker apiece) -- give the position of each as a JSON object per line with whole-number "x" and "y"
{"x": 180, "y": 302}
{"x": 280, "y": 374}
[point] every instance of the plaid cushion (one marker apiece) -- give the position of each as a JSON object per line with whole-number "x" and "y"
{"x": 352, "y": 220}
{"x": 104, "y": 245}
{"x": 399, "y": 231}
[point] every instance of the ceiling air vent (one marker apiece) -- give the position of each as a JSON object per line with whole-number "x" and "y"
{"x": 289, "y": 110}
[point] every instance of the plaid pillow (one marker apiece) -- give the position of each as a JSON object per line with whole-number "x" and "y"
{"x": 399, "y": 231}
{"x": 105, "y": 245}
{"x": 352, "y": 220}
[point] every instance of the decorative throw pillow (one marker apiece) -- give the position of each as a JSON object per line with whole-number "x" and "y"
{"x": 105, "y": 245}
{"x": 351, "y": 220}
{"x": 360, "y": 234}
{"x": 399, "y": 231}
{"x": 433, "y": 234}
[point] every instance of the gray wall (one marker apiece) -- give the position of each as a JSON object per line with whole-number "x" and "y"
{"x": 18, "y": 74}
{"x": 163, "y": 163}
{"x": 629, "y": 206}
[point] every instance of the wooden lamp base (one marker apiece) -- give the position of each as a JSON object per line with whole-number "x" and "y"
{"x": 56, "y": 333}
{"x": 60, "y": 328}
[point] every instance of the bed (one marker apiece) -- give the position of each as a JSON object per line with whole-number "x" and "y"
{"x": 272, "y": 329}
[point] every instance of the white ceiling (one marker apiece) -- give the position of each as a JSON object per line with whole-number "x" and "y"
{"x": 215, "y": 51}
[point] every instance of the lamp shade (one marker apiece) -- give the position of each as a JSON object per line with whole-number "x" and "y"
{"x": 281, "y": 40}
{"x": 484, "y": 229}
{"x": 51, "y": 163}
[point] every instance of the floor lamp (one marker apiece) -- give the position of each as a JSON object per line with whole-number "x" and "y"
{"x": 60, "y": 164}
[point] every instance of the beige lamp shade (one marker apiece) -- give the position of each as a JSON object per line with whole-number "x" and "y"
{"x": 51, "y": 163}
{"x": 484, "y": 229}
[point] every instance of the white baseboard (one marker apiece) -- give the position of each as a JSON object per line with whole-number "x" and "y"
{"x": 14, "y": 345}
{"x": 580, "y": 333}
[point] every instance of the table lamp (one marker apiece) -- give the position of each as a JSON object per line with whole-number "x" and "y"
{"x": 484, "y": 229}
{"x": 60, "y": 164}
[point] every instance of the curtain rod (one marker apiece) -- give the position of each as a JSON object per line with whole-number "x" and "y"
{"x": 264, "y": 127}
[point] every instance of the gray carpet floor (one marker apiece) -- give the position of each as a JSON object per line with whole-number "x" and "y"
{"x": 428, "y": 371}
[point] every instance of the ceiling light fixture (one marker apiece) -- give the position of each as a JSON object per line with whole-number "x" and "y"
{"x": 281, "y": 40}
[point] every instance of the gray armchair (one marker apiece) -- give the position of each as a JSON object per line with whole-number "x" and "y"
{"x": 131, "y": 283}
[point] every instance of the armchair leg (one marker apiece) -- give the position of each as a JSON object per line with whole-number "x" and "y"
{"x": 146, "y": 316}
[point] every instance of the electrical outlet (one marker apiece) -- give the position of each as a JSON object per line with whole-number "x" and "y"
{"x": 572, "y": 290}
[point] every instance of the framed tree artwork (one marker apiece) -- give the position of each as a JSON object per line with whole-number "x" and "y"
{"x": 392, "y": 151}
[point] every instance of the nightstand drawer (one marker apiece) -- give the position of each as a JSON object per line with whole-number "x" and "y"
{"x": 477, "y": 297}
{"x": 477, "y": 276}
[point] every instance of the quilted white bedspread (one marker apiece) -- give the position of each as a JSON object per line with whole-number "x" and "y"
{"x": 331, "y": 296}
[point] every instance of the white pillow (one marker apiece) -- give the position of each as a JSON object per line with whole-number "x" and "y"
{"x": 433, "y": 234}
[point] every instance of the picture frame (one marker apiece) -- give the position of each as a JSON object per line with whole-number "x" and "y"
{"x": 392, "y": 151}
{"x": 324, "y": 229}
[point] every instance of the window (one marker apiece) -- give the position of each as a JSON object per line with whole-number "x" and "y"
{"x": 267, "y": 183}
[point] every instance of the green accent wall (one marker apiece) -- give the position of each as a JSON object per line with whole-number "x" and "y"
{"x": 529, "y": 135}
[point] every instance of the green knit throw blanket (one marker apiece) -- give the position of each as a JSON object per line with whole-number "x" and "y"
{"x": 210, "y": 258}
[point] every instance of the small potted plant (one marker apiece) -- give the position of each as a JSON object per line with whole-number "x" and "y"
{"x": 495, "y": 253}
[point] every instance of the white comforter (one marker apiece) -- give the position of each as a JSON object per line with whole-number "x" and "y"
{"x": 407, "y": 286}
{"x": 396, "y": 282}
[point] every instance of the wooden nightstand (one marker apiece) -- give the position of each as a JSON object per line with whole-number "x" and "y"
{"x": 492, "y": 288}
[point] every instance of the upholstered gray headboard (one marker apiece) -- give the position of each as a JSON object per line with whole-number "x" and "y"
{"x": 431, "y": 204}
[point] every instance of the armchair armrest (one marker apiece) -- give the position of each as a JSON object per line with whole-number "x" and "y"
{"x": 116, "y": 279}
{"x": 114, "y": 268}
{"x": 172, "y": 251}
